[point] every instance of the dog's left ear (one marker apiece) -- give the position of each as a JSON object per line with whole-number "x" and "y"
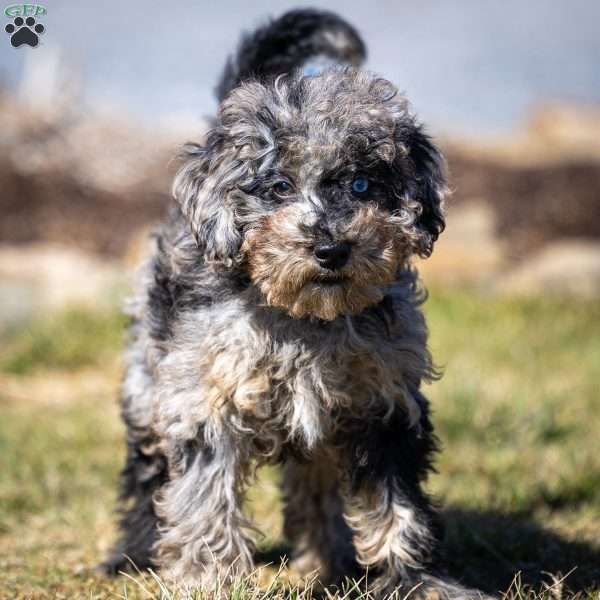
{"x": 431, "y": 187}
{"x": 202, "y": 188}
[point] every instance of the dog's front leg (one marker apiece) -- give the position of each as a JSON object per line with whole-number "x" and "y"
{"x": 202, "y": 539}
{"x": 393, "y": 534}
{"x": 395, "y": 527}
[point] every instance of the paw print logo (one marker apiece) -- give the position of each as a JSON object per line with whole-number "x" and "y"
{"x": 24, "y": 32}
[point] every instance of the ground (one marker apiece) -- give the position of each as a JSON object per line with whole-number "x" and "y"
{"x": 517, "y": 410}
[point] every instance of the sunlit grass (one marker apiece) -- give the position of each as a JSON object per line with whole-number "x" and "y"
{"x": 71, "y": 339}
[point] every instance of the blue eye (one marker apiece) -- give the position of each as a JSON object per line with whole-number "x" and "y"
{"x": 360, "y": 185}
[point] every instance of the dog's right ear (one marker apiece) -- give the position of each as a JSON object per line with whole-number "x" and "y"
{"x": 201, "y": 188}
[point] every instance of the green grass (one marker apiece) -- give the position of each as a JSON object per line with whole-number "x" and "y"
{"x": 518, "y": 414}
{"x": 517, "y": 411}
{"x": 72, "y": 339}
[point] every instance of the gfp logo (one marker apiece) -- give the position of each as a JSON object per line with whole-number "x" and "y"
{"x": 24, "y": 30}
{"x": 25, "y": 10}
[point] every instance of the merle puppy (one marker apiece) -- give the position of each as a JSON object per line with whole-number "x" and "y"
{"x": 278, "y": 322}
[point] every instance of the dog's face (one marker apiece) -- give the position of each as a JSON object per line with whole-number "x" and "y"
{"x": 321, "y": 187}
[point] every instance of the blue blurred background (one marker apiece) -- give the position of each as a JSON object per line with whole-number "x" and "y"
{"x": 468, "y": 66}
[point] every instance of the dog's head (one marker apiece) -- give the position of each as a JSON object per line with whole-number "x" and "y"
{"x": 320, "y": 187}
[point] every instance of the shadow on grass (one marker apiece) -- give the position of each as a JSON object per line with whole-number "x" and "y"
{"x": 485, "y": 549}
{"x": 273, "y": 554}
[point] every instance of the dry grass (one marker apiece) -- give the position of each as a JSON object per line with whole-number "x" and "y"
{"x": 517, "y": 411}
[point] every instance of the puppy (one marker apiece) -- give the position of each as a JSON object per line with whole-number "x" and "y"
{"x": 278, "y": 321}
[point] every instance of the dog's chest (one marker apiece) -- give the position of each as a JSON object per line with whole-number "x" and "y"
{"x": 285, "y": 384}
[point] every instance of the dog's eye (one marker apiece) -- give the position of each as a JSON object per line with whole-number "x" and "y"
{"x": 283, "y": 189}
{"x": 360, "y": 184}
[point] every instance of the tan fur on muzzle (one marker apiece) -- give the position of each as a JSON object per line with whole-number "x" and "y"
{"x": 280, "y": 262}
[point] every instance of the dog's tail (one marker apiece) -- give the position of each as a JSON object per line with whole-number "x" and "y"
{"x": 303, "y": 38}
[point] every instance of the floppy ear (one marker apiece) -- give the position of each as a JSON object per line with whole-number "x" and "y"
{"x": 431, "y": 188}
{"x": 202, "y": 188}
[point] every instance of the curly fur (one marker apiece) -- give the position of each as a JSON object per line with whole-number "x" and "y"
{"x": 245, "y": 351}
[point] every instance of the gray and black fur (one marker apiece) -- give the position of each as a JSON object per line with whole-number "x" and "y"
{"x": 278, "y": 321}
{"x": 282, "y": 46}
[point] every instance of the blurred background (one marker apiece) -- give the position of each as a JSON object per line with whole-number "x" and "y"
{"x": 90, "y": 121}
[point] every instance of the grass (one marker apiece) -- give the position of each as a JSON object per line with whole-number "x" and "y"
{"x": 518, "y": 413}
{"x": 74, "y": 339}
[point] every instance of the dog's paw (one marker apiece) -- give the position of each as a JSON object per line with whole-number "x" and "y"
{"x": 24, "y": 32}
{"x": 307, "y": 564}
{"x": 121, "y": 563}
{"x": 116, "y": 564}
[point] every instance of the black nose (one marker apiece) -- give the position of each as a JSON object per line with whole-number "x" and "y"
{"x": 332, "y": 255}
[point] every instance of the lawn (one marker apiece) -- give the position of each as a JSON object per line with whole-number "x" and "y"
{"x": 517, "y": 410}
